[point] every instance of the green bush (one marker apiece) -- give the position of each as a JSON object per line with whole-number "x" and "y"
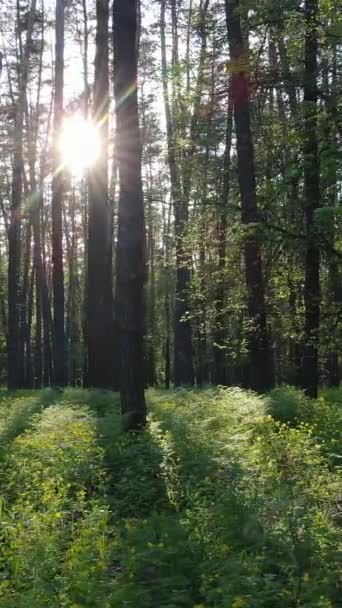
{"x": 289, "y": 405}
{"x": 323, "y": 415}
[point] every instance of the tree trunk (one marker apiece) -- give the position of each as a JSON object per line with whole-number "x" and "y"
{"x": 312, "y": 201}
{"x": 38, "y": 353}
{"x": 25, "y": 348}
{"x": 151, "y": 379}
{"x": 29, "y": 378}
{"x": 130, "y": 262}
{"x": 181, "y": 185}
{"x": 167, "y": 289}
{"x": 261, "y": 363}
{"x": 73, "y": 333}
{"x": 183, "y": 363}
{"x": 86, "y": 92}
{"x": 59, "y": 364}
{"x": 14, "y": 232}
{"x": 101, "y": 370}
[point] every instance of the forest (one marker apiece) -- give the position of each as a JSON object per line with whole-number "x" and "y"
{"x": 170, "y": 304}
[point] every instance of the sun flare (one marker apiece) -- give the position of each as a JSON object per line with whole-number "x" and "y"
{"x": 79, "y": 144}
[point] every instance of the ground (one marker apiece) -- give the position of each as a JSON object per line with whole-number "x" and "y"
{"x": 227, "y": 500}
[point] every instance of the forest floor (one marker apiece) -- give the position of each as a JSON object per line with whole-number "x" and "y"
{"x": 226, "y": 500}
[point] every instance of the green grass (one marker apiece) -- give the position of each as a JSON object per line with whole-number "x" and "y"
{"x": 226, "y": 500}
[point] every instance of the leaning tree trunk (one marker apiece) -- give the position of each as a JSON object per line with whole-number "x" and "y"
{"x": 59, "y": 366}
{"x": 101, "y": 370}
{"x": 261, "y": 362}
{"x": 130, "y": 261}
{"x": 312, "y": 201}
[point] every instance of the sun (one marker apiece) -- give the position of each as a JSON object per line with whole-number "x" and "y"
{"x": 79, "y": 144}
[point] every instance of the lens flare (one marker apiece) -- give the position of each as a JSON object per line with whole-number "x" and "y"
{"x": 79, "y": 145}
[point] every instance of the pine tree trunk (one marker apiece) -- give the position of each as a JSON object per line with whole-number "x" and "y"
{"x": 29, "y": 376}
{"x": 151, "y": 379}
{"x": 261, "y": 362}
{"x": 312, "y": 201}
{"x": 100, "y": 337}
{"x": 183, "y": 356}
{"x": 46, "y": 300}
{"x": 38, "y": 274}
{"x": 25, "y": 348}
{"x": 38, "y": 353}
{"x": 59, "y": 363}
{"x": 14, "y": 232}
{"x": 130, "y": 262}
{"x": 167, "y": 281}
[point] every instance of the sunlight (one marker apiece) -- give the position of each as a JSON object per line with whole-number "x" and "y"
{"x": 79, "y": 145}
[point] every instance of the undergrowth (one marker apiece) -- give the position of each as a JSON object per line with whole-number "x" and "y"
{"x": 226, "y": 500}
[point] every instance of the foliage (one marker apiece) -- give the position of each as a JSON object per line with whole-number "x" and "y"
{"x": 216, "y": 504}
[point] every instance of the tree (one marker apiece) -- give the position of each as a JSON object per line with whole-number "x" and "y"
{"x": 130, "y": 265}
{"x": 312, "y": 202}
{"x": 15, "y": 345}
{"x": 261, "y": 364}
{"x": 59, "y": 364}
{"x": 100, "y": 337}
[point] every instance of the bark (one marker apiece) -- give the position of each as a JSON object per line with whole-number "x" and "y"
{"x": 42, "y": 288}
{"x": 100, "y": 337}
{"x": 14, "y": 231}
{"x": 29, "y": 377}
{"x": 25, "y": 347}
{"x": 36, "y": 197}
{"x": 335, "y": 288}
{"x": 59, "y": 366}
{"x": 166, "y": 271}
{"x": 181, "y": 186}
{"x": 85, "y": 57}
{"x": 261, "y": 362}
{"x": 183, "y": 350}
{"x": 73, "y": 314}
{"x": 3, "y": 312}
{"x": 183, "y": 355}
{"x": 38, "y": 352}
{"x": 312, "y": 202}
{"x": 46, "y": 283}
{"x": 84, "y": 47}
{"x": 151, "y": 317}
{"x": 130, "y": 261}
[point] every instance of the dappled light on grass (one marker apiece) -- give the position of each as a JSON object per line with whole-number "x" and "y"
{"x": 217, "y": 504}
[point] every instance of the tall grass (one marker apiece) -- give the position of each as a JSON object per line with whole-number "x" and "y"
{"x": 226, "y": 500}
